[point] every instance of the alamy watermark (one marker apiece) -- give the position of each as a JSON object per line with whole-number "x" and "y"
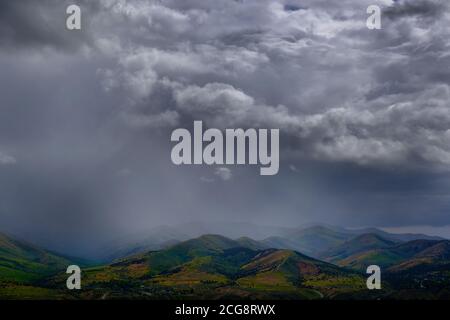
{"x": 228, "y": 148}
{"x": 374, "y": 280}
{"x": 373, "y": 22}
{"x": 73, "y": 21}
{"x": 74, "y": 280}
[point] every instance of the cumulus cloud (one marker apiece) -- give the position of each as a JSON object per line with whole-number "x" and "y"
{"x": 311, "y": 69}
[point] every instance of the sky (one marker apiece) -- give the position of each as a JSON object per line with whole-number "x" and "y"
{"x": 86, "y": 116}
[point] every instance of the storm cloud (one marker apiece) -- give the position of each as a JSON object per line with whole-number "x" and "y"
{"x": 86, "y": 116}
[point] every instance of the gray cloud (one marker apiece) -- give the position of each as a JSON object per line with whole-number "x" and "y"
{"x": 211, "y": 75}
{"x": 363, "y": 114}
{"x": 30, "y": 24}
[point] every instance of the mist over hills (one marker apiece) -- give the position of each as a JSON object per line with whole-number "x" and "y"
{"x": 310, "y": 240}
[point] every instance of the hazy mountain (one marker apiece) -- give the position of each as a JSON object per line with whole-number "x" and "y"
{"x": 279, "y": 243}
{"x": 361, "y": 243}
{"x": 310, "y": 241}
{"x": 403, "y": 237}
{"x": 154, "y": 239}
{"x": 251, "y": 244}
{"x": 316, "y": 240}
{"x": 161, "y": 237}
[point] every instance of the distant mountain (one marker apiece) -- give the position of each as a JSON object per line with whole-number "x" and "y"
{"x": 161, "y": 237}
{"x": 361, "y": 243}
{"x": 317, "y": 240}
{"x": 279, "y": 243}
{"x": 155, "y": 239}
{"x": 403, "y": 237}
{"x": 310, "y": 241}
{"x": 21, "y": 262}
{"x": 251, "y": 244}
{"x": 233, "y": 230}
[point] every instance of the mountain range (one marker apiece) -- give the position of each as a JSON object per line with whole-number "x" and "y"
{"x": 306, "y": 263}
{"x": 309, "y": 240}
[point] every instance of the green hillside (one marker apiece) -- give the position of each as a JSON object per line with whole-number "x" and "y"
{"x": 291, "y": 271}
{"x": 388, "y": 256}
{"x": 213, "y": 266}
{"x": 24, "y": 269}
{"x": 359, "y": 244}
{"x": 21, "y": 262}
{"x": 434, "y": 256}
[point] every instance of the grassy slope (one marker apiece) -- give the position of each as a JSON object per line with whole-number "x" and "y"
{"x": 23, "y": 263}
{"x": 23, "y": 267}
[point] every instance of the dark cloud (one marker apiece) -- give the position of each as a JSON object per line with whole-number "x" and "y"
{"x": 42, "y": 24}
{"x": 417, "y": 8}
{"x": 86, "y": 116}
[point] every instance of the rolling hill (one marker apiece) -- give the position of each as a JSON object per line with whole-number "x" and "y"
{"x": 361, "y": 243}
{"x": 424, "y": 275}
{"x": 24, "y": 268}
{"x": 322, "y": 241}
{"x": 396, "y": 255}
{"x": 21, "y": 262}
{"x": 312, "y": 240}
{"x": 214, "y": 266}
{"x": 292, "y": 271}
{"x": 429, "y": 254}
